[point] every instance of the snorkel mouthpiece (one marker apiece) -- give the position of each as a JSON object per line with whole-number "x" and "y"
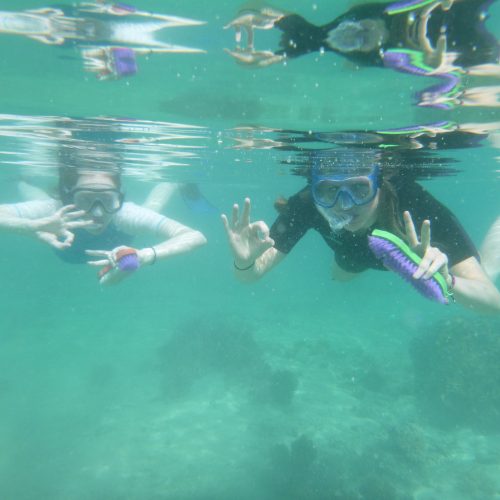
{"x": 336, "y": 221}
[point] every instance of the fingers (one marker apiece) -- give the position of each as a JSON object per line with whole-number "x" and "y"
{"x": 77, "y": 214}
{"x": 440, "y": 262}
{"x": 98, "y": 253}
{"x": 245, "y": 218}
{"x": 69, "y": 237}
{"x": 66, "y": 208}
{"x": 237, "y": 34}
{"x": 79, "y": 224}
{"x": 235, "y": 217}
{"x": 433, "y": 261}
{"x": 411, "y": 233}
{"x": 425, "y": 235}
{"x": 260, "y": 231}
{"x": 70, "y": 212}
{"x": 108, "y": 258}
{"x": 98, "y": 263}
{"x": 241, "y": 20}
{"x": 225, "y": 222}
{"x": 52, "y": 240}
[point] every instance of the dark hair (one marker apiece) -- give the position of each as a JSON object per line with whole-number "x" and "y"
{"x": 389, "y": 217}
{"x": 395, "y": 168}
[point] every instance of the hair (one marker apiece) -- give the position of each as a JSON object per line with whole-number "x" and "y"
{"x": 69, "y": 175}
{"x": 389, "y": 217}
{"x": 395, "y": 168}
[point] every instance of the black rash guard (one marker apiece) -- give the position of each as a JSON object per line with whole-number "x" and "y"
{"x": 463, "y": 23}
{"x": 351, "y": 249}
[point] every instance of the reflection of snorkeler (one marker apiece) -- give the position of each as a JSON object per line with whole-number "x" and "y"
{"x": 413, "y": 36}
{"x": 90, "y": 218}
{"x": 109, "y": 35}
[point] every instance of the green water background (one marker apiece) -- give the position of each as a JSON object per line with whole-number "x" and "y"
{"x": 82, "y": 369}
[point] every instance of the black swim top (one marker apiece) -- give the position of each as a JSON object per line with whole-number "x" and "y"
{"x": 351, "y": 249}
{"x": 110, "y": 238}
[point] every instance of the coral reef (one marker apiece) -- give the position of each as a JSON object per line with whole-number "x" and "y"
{"x": 214, "y": 347}
{"x": 290, "y": 469}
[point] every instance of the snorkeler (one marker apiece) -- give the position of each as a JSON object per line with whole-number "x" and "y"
{"x": 441, "y": 38}
{"x": 109, "y": 35}
{"x": 349, "y": 194}
{"x": 91, "y": 219}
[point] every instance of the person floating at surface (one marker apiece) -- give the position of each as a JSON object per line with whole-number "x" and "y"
{"x": 91, "y": 219}
{"x": 349, "y": 194}
{"x": 440, "y": 38}
{"x": 109, "y": 35}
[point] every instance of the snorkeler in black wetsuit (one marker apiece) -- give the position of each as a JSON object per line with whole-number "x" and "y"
{"x": 350, "y": 193}
{"x": 352, "y": 253}
{"x": 364, "y": 32}
{"x": 444, "y": 39}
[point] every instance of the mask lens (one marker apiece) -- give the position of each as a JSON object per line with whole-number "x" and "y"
{"x": 325, "y": 193}
{"x": 110, "y": 201}
{"x": 360, "y": 192}
{"x": 85, "y": 199}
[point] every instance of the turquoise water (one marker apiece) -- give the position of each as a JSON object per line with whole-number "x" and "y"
{"x": 182, "y": 383}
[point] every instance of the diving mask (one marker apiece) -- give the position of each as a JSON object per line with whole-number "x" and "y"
{"x": 355, "y": 190}
{"x": 87, "y": 198}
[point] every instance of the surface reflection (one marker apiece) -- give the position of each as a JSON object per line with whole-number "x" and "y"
{"x": 431, "y": 136}
{"x": 445, "y": 40}
{"x": 109, "y": 36}
{"x": 145, "y": 149}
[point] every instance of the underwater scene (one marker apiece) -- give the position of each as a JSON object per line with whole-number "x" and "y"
{"x": 251, "y": 251}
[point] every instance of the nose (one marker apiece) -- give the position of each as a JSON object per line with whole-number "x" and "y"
{"x": 345, "y": 201}
{"x": 97, "y": 210}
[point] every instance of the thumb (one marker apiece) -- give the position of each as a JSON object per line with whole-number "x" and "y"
{"x": 51, "y": 239}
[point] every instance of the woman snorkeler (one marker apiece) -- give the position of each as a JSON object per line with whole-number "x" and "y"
{"x": 91, "y": 219}
{"x": 350, "y": 193}
{"x": 365, "y": 32}
{"x": 443, "y": 39}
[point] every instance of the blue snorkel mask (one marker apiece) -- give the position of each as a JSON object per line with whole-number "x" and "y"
{"x": 349, "y": 187}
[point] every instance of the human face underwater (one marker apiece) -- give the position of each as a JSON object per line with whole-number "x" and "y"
{"x": 98, "y": 196}
{"x": 347, "y": 200}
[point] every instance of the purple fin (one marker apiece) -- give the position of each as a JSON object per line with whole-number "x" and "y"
{"x": 397, "y": 261}
{"x": 124, "y": 61}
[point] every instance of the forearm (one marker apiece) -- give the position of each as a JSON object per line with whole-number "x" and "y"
{"x": 477, "y": 295}
{"x": 181, "y": 243}
{"x": 18, "y": 225}
{"x": 250, "y": 273}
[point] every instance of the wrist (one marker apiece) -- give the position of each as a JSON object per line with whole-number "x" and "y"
{"x": 147, "y": 256}
{"x": 451, "y": 281}
{"x": 243, "y": 266}
{"x": 33, "y": 225}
